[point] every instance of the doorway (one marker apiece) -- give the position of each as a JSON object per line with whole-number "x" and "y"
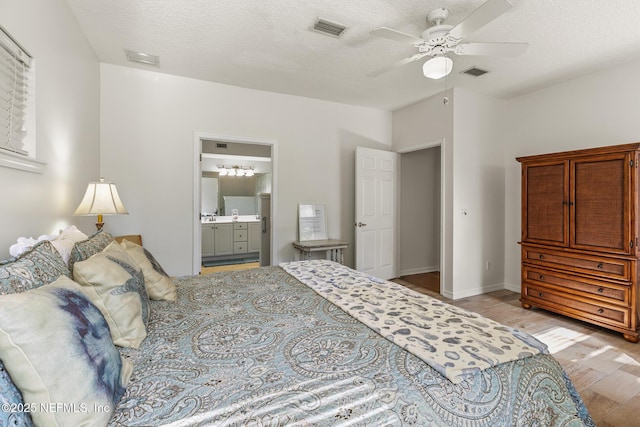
{"x": 420, "y": 216}
{"x": 232, "y": 176}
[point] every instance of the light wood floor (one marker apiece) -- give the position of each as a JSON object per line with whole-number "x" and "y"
{"x": 230, "y": 267}
{"x": 603, "y": 366}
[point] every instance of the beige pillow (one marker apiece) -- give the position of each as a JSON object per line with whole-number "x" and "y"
{"x": 159, "y": 285}
{"x": 55, "y": 344}
{"x": 115, "y": 284}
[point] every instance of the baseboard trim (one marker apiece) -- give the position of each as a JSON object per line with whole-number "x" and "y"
{"x": 411, "y": 271}
{"x": 475, "y": 291}
{"x": 481, "y": 290}
{"x": 512, "y": 288}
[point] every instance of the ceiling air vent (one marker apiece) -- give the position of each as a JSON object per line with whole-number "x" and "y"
{"x": 143, "y": 58}
{"x": 332, "y": 29}
{"x": 475, "y": 71}
{"x": 221, "y": 145}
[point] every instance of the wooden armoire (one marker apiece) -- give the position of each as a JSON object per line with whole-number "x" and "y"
{"x": 580, "y": 221}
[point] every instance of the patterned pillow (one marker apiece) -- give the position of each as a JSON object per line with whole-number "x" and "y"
{"x": 86, "y": 248}
{"x": 56, "y": 346}
{"x": 115, "y": 284}
{"x": 10, "y": 395}
{"x": 159, "y": 285}
{"x": 32, "y": 269}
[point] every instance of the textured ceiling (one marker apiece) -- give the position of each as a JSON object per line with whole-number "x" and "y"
{"x": 267, "y": 44}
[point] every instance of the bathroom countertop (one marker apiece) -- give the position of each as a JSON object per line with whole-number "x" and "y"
{"x": 229, "y": 219}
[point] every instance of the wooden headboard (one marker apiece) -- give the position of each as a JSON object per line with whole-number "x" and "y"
{"x": 134, "y": 238}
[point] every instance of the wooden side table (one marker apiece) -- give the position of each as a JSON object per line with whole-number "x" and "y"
{"x": 332, "y": 247}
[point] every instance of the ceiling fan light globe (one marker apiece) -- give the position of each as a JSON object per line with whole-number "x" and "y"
{"x": 437, "y": 67}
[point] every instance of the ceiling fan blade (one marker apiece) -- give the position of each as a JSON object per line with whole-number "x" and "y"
{"x": 398, "y": 36}
{"x": 400, "y": 63}
{"x": 491, "y": 49}
{"x": 480, "y": 17}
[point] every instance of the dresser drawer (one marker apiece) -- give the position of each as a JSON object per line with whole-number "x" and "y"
{"x": 614, "y": 268}
{"x": 565, "y": 303}
{"x": 240, "y": 247}
{"x": 613, "y": 293}
{"x": 239, "y": 235}
{"x": 239, "y": 225}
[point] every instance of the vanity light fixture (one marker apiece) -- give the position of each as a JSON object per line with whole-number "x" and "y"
{"x": 235, "y": 171}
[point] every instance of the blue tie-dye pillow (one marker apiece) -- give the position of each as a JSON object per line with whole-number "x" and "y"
{"x": 57, "y": 348}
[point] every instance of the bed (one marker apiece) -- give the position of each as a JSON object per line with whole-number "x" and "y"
{"x": 280, "y": 345}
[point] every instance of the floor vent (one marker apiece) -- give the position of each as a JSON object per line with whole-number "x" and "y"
{"x": 475, "y": 72}
{"x": 329, "y": 28}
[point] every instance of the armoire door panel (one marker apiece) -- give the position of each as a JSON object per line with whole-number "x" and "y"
{"x": 599, "y": 211}
{"x": 545, "y": 198}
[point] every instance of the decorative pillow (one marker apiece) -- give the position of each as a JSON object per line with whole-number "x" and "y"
{"x": 65, "y": 241}
{"x": 56, "y": 346}
{"x": 23, "y": 244}
{"x": 10, "y": 395}
{"x": 115, "y": 284}
{"x": 86, "y": 248}
{"x": 158, "y": 283}
{"x": 32, "y": 269}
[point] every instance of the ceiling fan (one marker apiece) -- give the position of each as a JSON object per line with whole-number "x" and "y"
{"x": 440, "y": 39}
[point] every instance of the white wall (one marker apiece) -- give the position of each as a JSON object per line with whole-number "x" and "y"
{"x": 148, "y": 122}
{"x": 478, "y": 189}
{"x": 471, "y": 127}
{"x": 67, "y": 122}
{"x": 596, "y": 110}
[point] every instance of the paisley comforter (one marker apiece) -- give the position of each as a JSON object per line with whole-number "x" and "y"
{"x": 257, "y": 347}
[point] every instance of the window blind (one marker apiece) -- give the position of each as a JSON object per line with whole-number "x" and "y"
{"x": 15, "y": 63}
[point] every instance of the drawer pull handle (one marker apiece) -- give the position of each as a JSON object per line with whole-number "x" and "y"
{"x": 600, "y": 290}
{"x": 541, "y": 256}
{"x": 600, "y": 310}
{"x": 541, "y": 277}
{"x": 540, "y": 294}
{"x": 600, "y": 266}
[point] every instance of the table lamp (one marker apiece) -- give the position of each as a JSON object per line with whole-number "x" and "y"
{"x": 101, "y": 198}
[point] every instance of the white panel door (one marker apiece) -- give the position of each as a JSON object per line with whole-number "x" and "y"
{"x": 376, "y": 176}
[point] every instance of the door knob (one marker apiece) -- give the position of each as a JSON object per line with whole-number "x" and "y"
{"x": 360, "y": 224}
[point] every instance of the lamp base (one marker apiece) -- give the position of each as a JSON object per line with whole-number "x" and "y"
{"x": 99, "y": 224}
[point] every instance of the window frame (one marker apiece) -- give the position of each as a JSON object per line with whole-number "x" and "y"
{"x": 23, "y": 158}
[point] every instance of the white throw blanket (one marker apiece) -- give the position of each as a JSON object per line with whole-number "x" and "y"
{"x": 455, "y": 342}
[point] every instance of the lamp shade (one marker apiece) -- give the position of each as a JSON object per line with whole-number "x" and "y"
{"x": 101, "y": 198}
{"x": 437, "y": 67}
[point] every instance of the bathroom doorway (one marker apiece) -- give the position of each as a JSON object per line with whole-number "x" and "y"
{"x": 232, "y": 222}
